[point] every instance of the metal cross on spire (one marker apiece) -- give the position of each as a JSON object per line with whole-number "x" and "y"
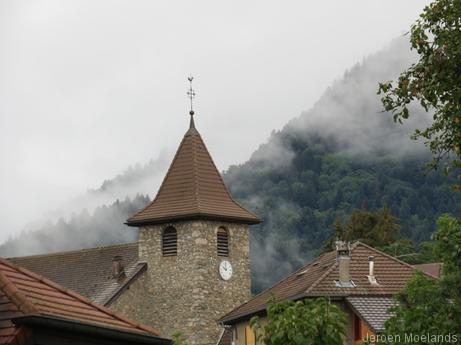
{"x": 191, "y": 94}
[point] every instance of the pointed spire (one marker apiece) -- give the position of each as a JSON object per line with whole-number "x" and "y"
{"x": 193, "y": 187}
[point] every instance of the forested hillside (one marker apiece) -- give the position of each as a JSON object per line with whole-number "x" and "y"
{"x": 103, "y": 226}
{"x": 343, "y": 154}
{"x": 300, "y": 202}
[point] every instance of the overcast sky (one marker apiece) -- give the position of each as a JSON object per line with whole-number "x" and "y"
{"x": 90, "y": 87}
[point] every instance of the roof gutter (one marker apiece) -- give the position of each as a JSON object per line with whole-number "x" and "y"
{"x": 91, "y": 330}
{"x": 204, "y": 216}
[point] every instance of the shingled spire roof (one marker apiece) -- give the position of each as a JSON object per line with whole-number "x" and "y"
{"x": 192, "y": 189}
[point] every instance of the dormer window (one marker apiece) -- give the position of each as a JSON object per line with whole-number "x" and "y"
{"x": 170, "y": 242}
{"x": 222, "y": 237}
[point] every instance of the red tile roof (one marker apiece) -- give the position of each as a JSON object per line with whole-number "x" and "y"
{"x": 318, "y": 279}
{"x": 87, "y": 271}
{"x": 192, "y": 188}
{"x": 25, "y": 293}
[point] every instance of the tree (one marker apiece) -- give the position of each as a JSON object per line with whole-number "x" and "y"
{"x": 310, "y": 321}
{"x": 434, "y": 81}
{"x": 433, "y": 306}
{"x": 378, "y": 229}
{"x": 405, "y": 250}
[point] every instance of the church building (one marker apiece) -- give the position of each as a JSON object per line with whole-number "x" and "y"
{"x": 191, "y": 263}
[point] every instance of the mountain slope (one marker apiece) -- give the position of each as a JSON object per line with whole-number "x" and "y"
{"x": 344, "y": 153}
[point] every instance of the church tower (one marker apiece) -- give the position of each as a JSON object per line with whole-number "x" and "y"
{"x": 195, "y": 240}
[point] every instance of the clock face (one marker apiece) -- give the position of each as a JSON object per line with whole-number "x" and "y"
{"x": 225, "y": 270}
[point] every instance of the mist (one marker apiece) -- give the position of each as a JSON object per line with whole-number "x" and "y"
{"x": 349, "y": 121}
{"x": 89, "y": 88}
{"x": 351, "y": 114}
{"x": 346, "y": 121}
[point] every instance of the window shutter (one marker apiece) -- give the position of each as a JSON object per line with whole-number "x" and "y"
{"x": 223, "y": 242}
{"x": 170, "y": 242}
{"x": 250, "y": 338}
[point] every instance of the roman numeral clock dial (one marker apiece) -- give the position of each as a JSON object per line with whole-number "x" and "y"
{"x": 225, "y": 270}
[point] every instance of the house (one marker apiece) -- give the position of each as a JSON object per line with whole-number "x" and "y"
{"x": 35, "y": 310}
{"x": 191, "y": 263}
{"x": 360, "y": 279}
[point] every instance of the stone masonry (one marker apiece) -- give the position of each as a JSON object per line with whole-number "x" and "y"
{"x": 185, "y": 292}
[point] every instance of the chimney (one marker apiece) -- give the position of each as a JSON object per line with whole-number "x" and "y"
{"x": 371, "y": 265}
{"x": 343, "y": 257}
{"x": 117, "y": 267}
{"x": 371, "y": 271}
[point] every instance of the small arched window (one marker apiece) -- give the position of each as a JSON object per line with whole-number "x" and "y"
{"x": 223, "y": 241}
{"x": 170, "y": 242}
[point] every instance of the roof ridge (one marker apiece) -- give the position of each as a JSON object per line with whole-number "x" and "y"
{"x": 138, "y": 269}
{"x": 79, "y": 297}
{"x": 223, "y": 183}
{"x": 16, "y": 296}
{"x": 74, "y": 251}
{"x": 163, "y": 181}
{"x": 195, "y": 168}
{"x": 392, "y": 258}
{"x": 324, "y": 274}
{"x": 354, "y": 245}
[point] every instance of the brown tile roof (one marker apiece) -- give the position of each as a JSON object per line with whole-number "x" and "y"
{"x": 374, "y": 310}
{"x": 318, "y": 279}
{"x": 87, "y": 271}
{"x": 192, "y": 188}
{"x": 25, "y": 293}
{"x": 433, "y": 269}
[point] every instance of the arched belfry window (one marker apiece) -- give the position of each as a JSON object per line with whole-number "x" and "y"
{"x": 170, "y": 242}
{"x": 223, "y": 241}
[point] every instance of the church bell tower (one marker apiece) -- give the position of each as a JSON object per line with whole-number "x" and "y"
{"x": 194, "y": 238}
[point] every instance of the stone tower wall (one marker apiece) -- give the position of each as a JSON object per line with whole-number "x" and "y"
{"x": 185, "y": 292}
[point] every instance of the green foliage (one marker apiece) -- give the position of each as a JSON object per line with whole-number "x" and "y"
{"x": 433, "y": 306}
{"x": 448, "y": 243}
{"x": 306, "y": 322}
{"x": 178, "y": 339}
{"x": 434, "y": 81}
{"x": 297, "y": 224}
{"x": 377, "y": 229}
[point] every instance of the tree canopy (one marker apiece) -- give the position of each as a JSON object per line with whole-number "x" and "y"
{"x": 375, "y": 228}
{"x": 306, "y": 322}
{"x": 434, "y": 81}
{"x": 428, "y": 305}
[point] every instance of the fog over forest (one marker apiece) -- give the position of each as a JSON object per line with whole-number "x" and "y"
{"x": 345, "y": 127}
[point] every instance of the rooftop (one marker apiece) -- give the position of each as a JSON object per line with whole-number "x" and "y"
{"x": 24, "y": 293}
{"x": 318, "y": 277}
{"x": 192, "y": 188}
{"x": 87, "y": 271}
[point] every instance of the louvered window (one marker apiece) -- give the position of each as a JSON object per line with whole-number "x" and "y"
{"x": 170, "y": 242}
{"x": 223, "y": 242}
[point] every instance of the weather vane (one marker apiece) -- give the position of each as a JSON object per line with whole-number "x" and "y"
{"x": 191, "y": 94}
